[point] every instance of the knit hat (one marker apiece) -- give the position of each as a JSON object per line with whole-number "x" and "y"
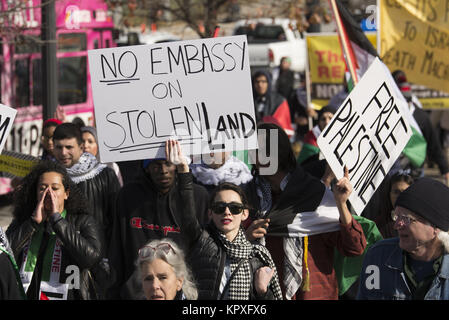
{"x": 327, "y": 108}
{"x": 146, "y": 162}
{"x": 429, "y": 199}
{"x": 52, "y": 122}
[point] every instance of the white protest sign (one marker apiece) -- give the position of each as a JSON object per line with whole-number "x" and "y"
{"x": 197, "y": 91}
{"x": 7, "y": 116}
{"x": 367, "y": 134}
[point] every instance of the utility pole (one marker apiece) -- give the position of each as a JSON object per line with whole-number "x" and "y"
{"x": 49, "y": 62}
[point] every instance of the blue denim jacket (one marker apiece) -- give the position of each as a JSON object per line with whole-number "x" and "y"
{"x": 383, "y": 276}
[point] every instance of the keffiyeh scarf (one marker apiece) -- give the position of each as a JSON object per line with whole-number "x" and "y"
{"x": 86, "y": 168}
{"x": 293, "y": 246}
{"x": 233, "y": 170}
{"x": 240, "y": 251}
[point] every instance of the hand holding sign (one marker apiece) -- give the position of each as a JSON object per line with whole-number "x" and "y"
{"x": 342, "y": 188}
{"x": 367, "y": 134}
{"x": 173, "y": 153}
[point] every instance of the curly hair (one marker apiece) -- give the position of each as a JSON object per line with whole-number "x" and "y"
{"x": 25, "y": 196}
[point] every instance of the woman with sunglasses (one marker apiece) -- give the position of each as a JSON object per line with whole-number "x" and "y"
{"x": 164, "y": 272}
{"x": 225, "y": 264}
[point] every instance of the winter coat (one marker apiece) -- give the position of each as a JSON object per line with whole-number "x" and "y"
{"x": 144, "y": 214}
{"x": 81, "y": 247}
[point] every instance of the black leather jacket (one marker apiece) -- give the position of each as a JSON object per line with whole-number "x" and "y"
{"x": 207, "y": 256}
{"x": 81, "y": 246}
{"x": 100, "y": 191}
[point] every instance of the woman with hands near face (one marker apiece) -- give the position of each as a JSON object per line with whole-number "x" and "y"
{"x": 53, "y": 236}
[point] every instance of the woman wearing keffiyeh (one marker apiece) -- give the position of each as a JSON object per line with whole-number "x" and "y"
{"x": 225, "y": 264}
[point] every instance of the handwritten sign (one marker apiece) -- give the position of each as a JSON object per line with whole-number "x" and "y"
{"x": 7, "y": 116}
{"x": 414, "y": 39}
{"x": 367, "y": 134}
{"x": 196, "y": 91}
{"x": 327, "y": 66}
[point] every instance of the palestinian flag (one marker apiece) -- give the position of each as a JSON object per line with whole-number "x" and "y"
{"x": 305, "y": 207}
{"x": 359, "y": 53}
{"x": 310, "y": 146}
{"x": 282, "y": 115}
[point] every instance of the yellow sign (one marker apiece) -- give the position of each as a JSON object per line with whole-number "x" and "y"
{"x": 415, "y": 38}
{"x": 327, "y": 66}
{"x": 14, "y": 164}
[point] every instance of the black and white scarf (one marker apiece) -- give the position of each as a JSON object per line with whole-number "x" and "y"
{"x": 233, "y": 170}
{"x": 240, "y": 251}
{"x": 86, "y": 168}
{"x": 4, "y": 243}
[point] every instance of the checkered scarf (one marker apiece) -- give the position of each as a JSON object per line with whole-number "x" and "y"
{"x": 86, "y": 168}
{"x": 240, "y": 250}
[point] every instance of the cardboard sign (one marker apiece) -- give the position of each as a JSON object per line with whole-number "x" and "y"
{"x": 413, "y": 38}
{"x": 198, "y": 92}
{"x": 366, "y": 134}
{"x": 7, "y": 116}
{"x": 327, "y": 66}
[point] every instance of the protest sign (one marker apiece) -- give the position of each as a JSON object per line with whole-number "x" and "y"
{"x": 327, "y": 66}
{"x": 429, "y": 98}
{"x": 414, "y": 38}
{"x": 7, "y": 116}
{"x": 367, "y": 134}
{"x": 15, "y": 164}
{"x": 197, "y": 91}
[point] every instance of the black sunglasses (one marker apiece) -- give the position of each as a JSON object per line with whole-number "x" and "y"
{"x": 234, "y": 207}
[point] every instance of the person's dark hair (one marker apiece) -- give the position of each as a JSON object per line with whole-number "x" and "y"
{"x": 400, "y": 177}
{"x": 229, "y": 186}
{"x": 68, "y": 131}
{"x": 399, "y": 76}
{"x": 79, "y": 122}
{"x": 327, "y": 108}
{"x": 25, "y": 195}
{"x": 286, "y": 157}
{"x": 267, "y": 75}
{"x": 383, "y": 219}
{"x": 51, "y": 123}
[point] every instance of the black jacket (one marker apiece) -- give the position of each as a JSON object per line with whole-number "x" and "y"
{"x": 206, "y": 255}
{"x": 143, "y": 214}
{"x": 207, "y": 259}
{"x": 434, "y": 150}
{"x": 9, "y": 288}
{"x": 81, "y": 246}
{"x": 100, "y": 191}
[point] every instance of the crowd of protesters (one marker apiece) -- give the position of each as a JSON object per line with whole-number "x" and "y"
{"x": 218, "y": 228}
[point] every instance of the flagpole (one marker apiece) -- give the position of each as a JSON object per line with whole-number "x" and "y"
{"x": 343, "y": 42}
{"x": 378, "y": 4}
{"x": 308, "y": 84}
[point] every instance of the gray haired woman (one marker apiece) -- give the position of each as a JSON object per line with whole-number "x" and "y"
{"x": 164, "y": 273}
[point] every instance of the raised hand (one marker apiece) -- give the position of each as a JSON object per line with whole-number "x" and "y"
{"x": 173, "y": 153}
{"x": 39, "y": 214}
{"x": 257, "y": 229}
{"x": 343, "y": 188}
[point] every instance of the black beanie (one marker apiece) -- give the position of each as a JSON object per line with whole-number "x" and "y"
{"x": 429, "y": 199}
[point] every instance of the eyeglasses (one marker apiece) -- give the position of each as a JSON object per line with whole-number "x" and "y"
{"x": 407, "y": 220}
{"x": 147, "y": 250}
{"x": 234, "y": 207}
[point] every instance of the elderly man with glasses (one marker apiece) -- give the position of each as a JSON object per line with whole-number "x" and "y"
{"x": 415, "y": 265}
